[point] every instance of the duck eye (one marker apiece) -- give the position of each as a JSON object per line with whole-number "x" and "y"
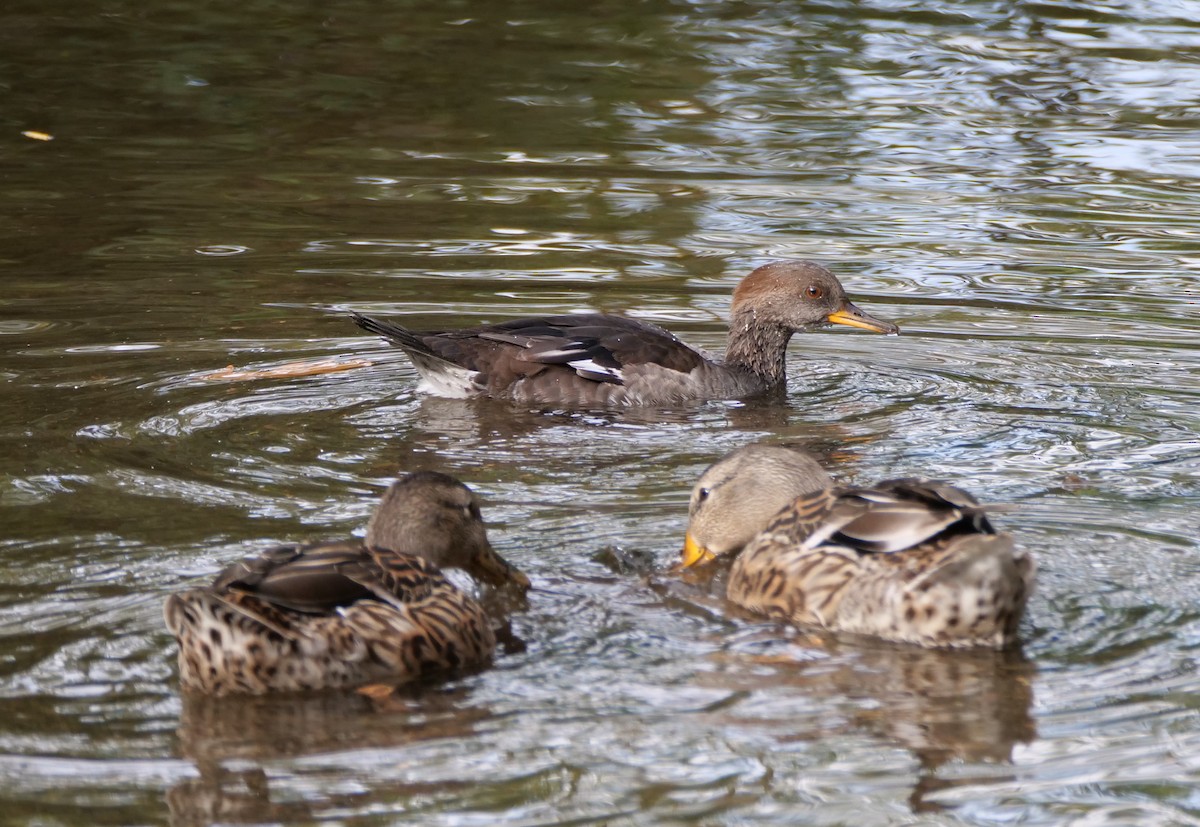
{"x": 814, "y": 291}
{"x": 702, "y": 495}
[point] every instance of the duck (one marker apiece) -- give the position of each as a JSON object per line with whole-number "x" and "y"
{"x": 907, "y": 560}
{"x": 347, "y": 613}
{"x": 595, "y": 360}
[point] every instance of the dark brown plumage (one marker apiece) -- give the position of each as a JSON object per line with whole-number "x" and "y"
{"x": 344, "y": 613}
{"x": 592, "y": 359}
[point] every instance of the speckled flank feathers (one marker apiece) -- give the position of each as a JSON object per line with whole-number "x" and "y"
{"x": 906, "y": 560}
{"x": 340, "y": 614}
{"x": 592, "y": 360}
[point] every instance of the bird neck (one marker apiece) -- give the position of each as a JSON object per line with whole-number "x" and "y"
{"x": 758, "y": 347}
{"x": 405, "y": 535}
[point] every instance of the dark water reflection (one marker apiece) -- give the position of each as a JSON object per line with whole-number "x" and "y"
{"x": 1016, "y": 184}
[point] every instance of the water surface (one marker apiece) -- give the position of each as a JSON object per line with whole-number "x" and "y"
{"x": 1014, "y": 183}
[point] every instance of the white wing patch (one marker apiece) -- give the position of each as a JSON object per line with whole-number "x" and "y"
{"x": 542, "y": 353}
{"x": 589, "y": 369}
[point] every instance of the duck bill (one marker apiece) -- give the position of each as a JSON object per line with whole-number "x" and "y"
{"x": 694, "y": 553}
{"x": 851, "y": 316}
{"x": 491, "y": 568}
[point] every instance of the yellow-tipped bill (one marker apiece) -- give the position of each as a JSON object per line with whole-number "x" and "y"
{"x": 851, "y": 316}
{"x": 694, "y": 553}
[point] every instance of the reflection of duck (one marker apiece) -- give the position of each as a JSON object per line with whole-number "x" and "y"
{"x": 592, "y": 359}
{"x": 964, "y": 706}
{"x": 905, "y": 560}
{"x": 346, "y": 613}
{"x": 238, "y": 743}
{"x": 971, "y": 705}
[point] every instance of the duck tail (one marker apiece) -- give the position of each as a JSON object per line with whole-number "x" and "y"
{"x": 973, "y": 559}
{"x": 394, "y": 333}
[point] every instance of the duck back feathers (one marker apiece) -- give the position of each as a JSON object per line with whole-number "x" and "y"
{"x": 284, "y": 634}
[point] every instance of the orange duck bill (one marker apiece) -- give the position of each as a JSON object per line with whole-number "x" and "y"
{"x": 852, "y": 316}
{"x": 693, "y": 552}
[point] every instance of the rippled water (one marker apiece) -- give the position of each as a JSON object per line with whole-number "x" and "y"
{"x": 1016, "y": 184}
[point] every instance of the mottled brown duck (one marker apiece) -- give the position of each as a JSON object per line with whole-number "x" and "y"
{"x": 598, "y": 360}
{"x": 907, "y": 560}
{"x": 347, "y": 613}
